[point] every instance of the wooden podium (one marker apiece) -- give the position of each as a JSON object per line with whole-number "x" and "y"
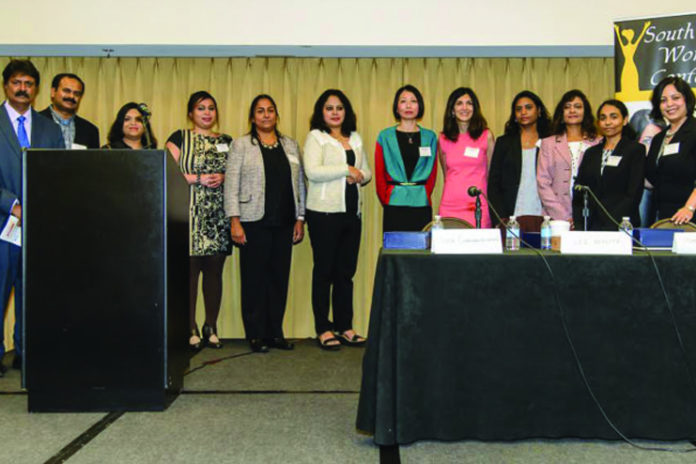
{"x": 105, "y": 268}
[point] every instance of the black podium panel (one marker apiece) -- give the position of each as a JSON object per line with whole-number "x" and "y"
{"x": 105, "y": 279}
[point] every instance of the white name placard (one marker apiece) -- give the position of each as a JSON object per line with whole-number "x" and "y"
{"x": 596, "y": 243}
{"x": 684, "y": 244}
{"x": 466, "y": 241}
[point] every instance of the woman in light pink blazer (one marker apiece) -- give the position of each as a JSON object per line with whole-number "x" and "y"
{"x": 561, "y": 154}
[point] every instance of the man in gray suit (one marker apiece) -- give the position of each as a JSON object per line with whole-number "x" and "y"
{"x": 20, "y": 128}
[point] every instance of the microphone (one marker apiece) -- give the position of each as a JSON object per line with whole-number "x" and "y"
{"x": 144, "y": 109}
{"x": 474, "y": 191}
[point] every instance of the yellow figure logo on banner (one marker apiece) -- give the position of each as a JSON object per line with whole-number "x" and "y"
{"x": 630, "y": 87}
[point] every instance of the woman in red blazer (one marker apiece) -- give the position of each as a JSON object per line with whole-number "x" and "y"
{"x": 561, "y": 154}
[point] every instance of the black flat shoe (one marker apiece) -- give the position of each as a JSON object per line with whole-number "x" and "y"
{"x": 280, "y": 343}
{"x": 355, "y": 340}
{"x": 209, "y": 331}
{"x": 258, "y": 346}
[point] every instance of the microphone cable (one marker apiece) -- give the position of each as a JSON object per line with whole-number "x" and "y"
{"x": 576, "y": 357}
{"x": 668, "y": 303}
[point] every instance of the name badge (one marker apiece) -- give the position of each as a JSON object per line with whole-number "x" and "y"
{"x": 293, "y": 159}
{"x": 671, "y": 149}
{"x": 424, "y": 151}
{"x": 77, "y": 146}
{"x": 471, "y": 152}
{"x": 613, "y": 161}
{"x": 222, "y": 147}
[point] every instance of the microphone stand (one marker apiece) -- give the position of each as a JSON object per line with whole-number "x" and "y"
{"x": 585, "y": 209}
{"x": 146, "y": 123}
{"x": 477, "y": 213}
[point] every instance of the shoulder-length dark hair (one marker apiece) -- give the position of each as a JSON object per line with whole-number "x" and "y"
{"x": 419, "y": 99}
{"x": 450, "y": 127}
{"x": 588, "y": 123}
{"x": 116, "y": 132}
{"x": 682, "y": 87}
{"x": 317, "y": 121}
{"x": 627, "y": 131}
{"x": 196, "y": 98}
{"x": 543, "y": 123}
{"x": 252, "y": 131}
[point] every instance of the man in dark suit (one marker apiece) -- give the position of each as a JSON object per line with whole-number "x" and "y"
{"x": 20, "y": 127}
{"x": 67, "y": 91}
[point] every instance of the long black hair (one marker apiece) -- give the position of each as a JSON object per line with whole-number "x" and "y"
{"x": 252, "y": 131}
{"x": 627, "y": 131}
{"x": 543, "y": 122}
{"x": 588, "y": 123}
{"x": 477, "y": 124}
{"x": 317, "y": 121}
{"x": 115, "y": 136}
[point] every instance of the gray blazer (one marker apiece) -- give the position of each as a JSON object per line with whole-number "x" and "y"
{"x": 245, "y": 179}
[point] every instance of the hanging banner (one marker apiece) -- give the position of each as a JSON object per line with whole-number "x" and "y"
{"x": 646, "y": 50}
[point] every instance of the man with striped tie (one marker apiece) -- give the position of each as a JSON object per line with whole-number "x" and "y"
{"x": 20, "y": 127}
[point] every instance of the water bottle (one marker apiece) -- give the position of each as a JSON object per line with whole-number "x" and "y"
{"x": 512, "y": 235}
{"x": 437, "y": 224}
{"x": 546, "y": 233}
{"x": 626, "y": 225}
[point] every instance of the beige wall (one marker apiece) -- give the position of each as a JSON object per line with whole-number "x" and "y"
{"x": 323, "y": 22}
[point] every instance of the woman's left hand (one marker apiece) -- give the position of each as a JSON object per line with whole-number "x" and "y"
{"x": 212, "y": 180}
{"x": 683, "y": 215}
{"x": 298, "y": 232}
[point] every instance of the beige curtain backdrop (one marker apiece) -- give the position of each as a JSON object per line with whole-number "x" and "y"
{"x": 295, "y": 83}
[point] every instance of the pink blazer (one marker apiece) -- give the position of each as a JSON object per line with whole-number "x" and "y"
{"x": 553, "y": 175}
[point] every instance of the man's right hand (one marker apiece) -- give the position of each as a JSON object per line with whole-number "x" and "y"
{"x": 17, "y": 212}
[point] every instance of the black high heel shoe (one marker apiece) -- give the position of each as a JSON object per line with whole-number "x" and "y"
{"x": 209, "y": 331}
{"x": 195, "y": 343}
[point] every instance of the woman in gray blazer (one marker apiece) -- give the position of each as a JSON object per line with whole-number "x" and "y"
{"x": 265, "y": 201}
{"x": 336, "y": 167}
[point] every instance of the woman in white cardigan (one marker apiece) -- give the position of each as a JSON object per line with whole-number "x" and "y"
{"x": 336, "y": 168}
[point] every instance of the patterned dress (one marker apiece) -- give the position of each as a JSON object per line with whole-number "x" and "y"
{"x": 208, "y": 226}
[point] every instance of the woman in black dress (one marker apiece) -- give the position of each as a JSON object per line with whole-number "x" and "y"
{"x": 613, "y": 169}
{"x": 671, "y": 163}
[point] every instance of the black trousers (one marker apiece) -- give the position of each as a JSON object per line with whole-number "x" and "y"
{"x": 335, "y": 239}
{"x": 264, "y": 263}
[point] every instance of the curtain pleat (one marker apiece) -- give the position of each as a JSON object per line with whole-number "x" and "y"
{"x": 295, "y": 83}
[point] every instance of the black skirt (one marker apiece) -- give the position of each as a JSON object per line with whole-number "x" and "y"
{"x": 406, "y": 218}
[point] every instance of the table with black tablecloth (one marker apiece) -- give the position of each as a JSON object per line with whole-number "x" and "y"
{"x": 473, "y": 347}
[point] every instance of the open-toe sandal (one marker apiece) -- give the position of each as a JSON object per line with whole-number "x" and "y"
{"x": 355, "y": 340}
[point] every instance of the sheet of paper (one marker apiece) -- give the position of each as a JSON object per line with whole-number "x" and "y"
{"x": 12, "y": 232}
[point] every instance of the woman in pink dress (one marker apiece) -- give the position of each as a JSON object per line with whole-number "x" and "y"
{"x": 465, "y": 148}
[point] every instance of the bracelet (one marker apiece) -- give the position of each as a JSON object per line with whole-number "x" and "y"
{"x": 198, "y": 178}
{"x": 690, "y": 208}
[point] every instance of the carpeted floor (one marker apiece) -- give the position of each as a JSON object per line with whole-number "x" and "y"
{"x": 280, "y": 407}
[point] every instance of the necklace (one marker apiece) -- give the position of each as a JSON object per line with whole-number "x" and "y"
{"x": 410, "y": 138}
{"x": 269, "y": 146}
